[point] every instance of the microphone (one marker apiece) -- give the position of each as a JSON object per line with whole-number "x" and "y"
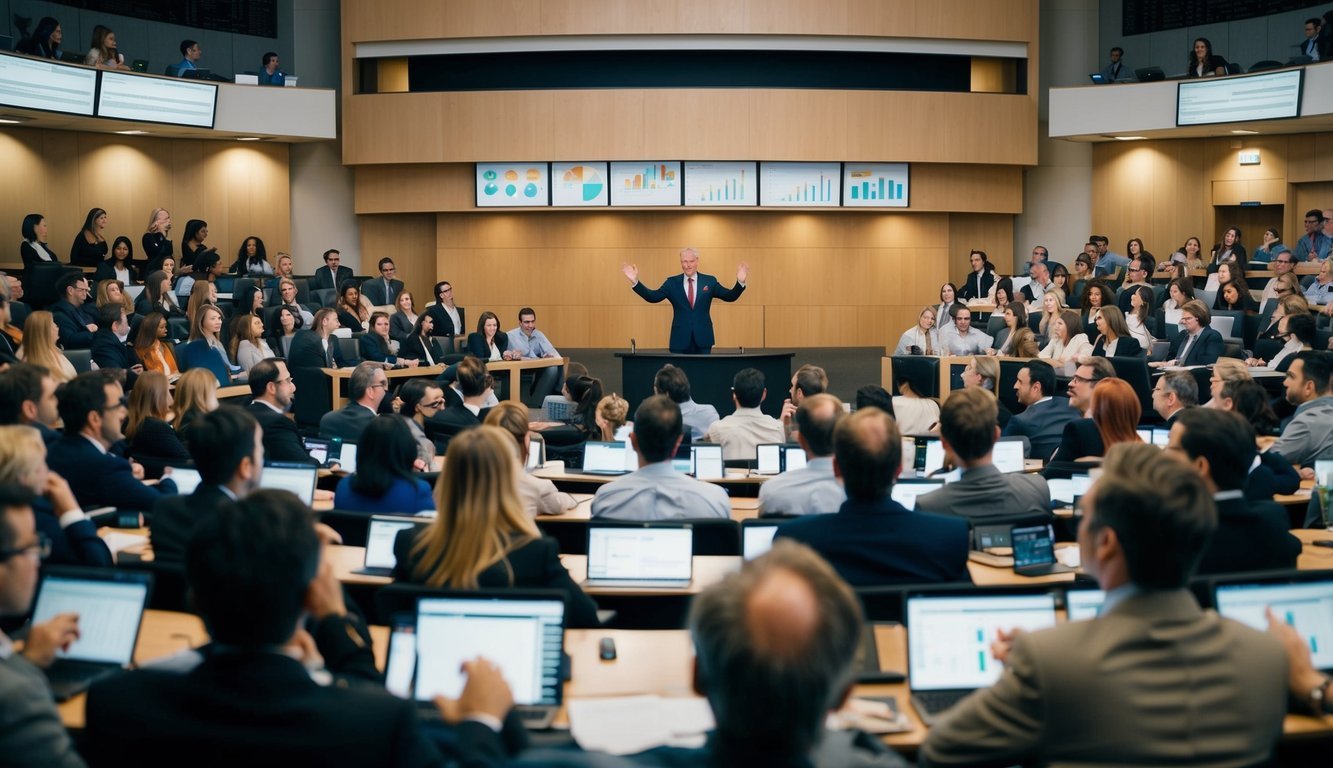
{"x": 632, "y": 346}
{"x": 742, "y": 349}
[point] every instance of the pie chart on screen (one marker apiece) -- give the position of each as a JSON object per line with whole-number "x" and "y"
{"x": 588, "y": 182}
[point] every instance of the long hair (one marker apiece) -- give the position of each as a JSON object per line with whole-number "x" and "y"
{"x": 1025, "y": 343}
{"x": 153, "y": 287}
{"x": 196, "y": 392}
{"x": 1115, "y": 322}
{"x": 104, "y": 296}
{"x": 146, "y": 337}
{"x": 199, "y": 299}
{"x": 197, "y": 324}
{"x": 481, "y": 518}
{"x": 90, "y": 221}
{"x": 129, "y": 249}
{"x": 242, "y": 328}
{"x": 586, "y": 392}
{"x": 152, "y": 219}
{"x": 149, "y": 398}
{"x": 39, "y": 344}
{"x": 386, "y": 453}
{"x": 1116, "y": 411}
{"x": 1145, "y": 304}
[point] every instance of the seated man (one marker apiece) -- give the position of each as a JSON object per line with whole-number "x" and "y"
{"x": 968, "y": 432}
{"x": 1197, "y": 343}
{"x": 656, "y": 491}
{"x": 672, "y": 382}
{"x": 93, "y": 409}
{"x": 532, "y": 344}
{"x": 28, "y": 397}
{"x": 1043, "y": 420}
{"x": 475, "y": 387}
{"x": 76, "y": 328}
{"x": 272, "y": 390}
{"x": 258, "y": 695}
{"x": 873, "y": 540}
{"x": 1251, "y": 535}
{"x": 366, "y": 387}
{"x": 965, "y": 340}
{"x": 1308, "y": 437}
{"x": 108, "y": 348}
{"x": 812, "y": 489}
{"x": 747, "y": 426}
{"x": 1145, "y": 524}
{"x": 1172, "y": 394}
{"x": 808, "y": 380}
{"x": 384, "y": 291}
{"x": 71, "y": 533}
{"x": 316, "y": 347}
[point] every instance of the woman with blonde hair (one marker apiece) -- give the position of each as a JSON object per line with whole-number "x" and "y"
{"x": 152, "y": 441}
{"x": 1025, "y": 344}
{"x": 153, "y": 349}
{"x": 612, "y": 418}
{"x": 482, "y": 536}
{"x": 1051, "y": 306}
{"x": 113, "y": 292}
{"x": 40, "y": 334}
{"x": 202, "y": 294}
{"x": 196, "y": 394}
{"x": 538, "y": 494}
{"x": 207, "y": 325}
{"x": 23, "y": 463}
{"x": 156, "y": 246}
{"x": 1225, "y": 370}
{"x": 923, "y": 336}
{"x": 984, "y": 373}
{"x": 1067, "y": 342}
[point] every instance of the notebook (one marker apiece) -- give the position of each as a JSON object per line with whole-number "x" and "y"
{"x": 949, "y": 639}
{"x": 297, "y": 478}
{"x": 186, "y": 479}
{"x": 1081, "y": 604}
{"x": 905, "y": 491}
{"x": 110, "y": 604}
{"x": 1034, "y": 551}
{"x": 523, "y": 635}
{"x": 381, "y": 532}
{"x": 608, "y": 458}
{"x": 706, "y": 462}
{"x": 1304, "y": 601}
{"x": 653, "y": 556}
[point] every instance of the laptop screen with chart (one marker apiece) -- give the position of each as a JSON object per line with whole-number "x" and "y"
{"x": 1306, "y": 605}
{"x": 949, "y": 637}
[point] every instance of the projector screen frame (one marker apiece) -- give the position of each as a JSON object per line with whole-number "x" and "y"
{"x": 1236, "y": 80}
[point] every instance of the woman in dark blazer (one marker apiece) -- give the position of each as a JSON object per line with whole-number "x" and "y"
{"x": 375, "y": 345}
{"x": 152, "y": 442}
{"x": 422, "y": 345}
{"x": 1202, "y": 62}
{"x": 1114, "y": 339}
{"x": 119, "y": 265}
{"x": 483, "y": 537}
{"x": 405, "y": 319}
{"x": 157, "y": 297}
{"x": 90, "y": 248}
{"x": 488, "y": 343}
{"x": 1230, "y": 250}
{"x": 34, "y": 249}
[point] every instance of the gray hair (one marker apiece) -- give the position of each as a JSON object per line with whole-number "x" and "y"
{"x": 1183, "y": 386}
{"x": 363, "y": 376}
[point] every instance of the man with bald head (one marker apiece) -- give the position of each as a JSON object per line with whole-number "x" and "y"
{"x": 873, "y": 540}
{"x": 812, "y": 489}
{"x": 690, "y": 295}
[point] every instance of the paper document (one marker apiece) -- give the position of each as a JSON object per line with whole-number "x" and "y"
{"x": 625, "y": 725}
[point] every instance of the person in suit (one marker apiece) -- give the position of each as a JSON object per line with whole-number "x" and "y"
{"x": 1308, "y": 436}
{"x": 981, "y": 280}
{"x": 698, "y": 417}
{"x": 109, "y": 350}
{"x": 30, "y": 726}
{"x": 260, "y": 575}
{"x": 488, "y": 343}
{"x": 1309, "y": 46}
{"x": 28, "y": 398}
{"x": 1146, "y": 523}
{"x": 655, "y": 491}
{"x": 73, "y": 535}
{"x": 34, "y": 249}
{"x": 1115, "y": 416}
{"x": 1044, "y": 418}
{"x": 92, "y": 406}
{"x": 272, "y": 390}
{"x": 119, "y": 265}
{"x": 366, "y": 388}
{"x": 1172, "y": 394}
{"x": 383, "y": 292}
{"x": 483, "y": 537}
{"x": 228, "y": 452}
{"x": 332, "y": 274}
{"x": 1251, "y": 535}
{"x": 873, "y": 540}
{"x": 474, "y": 387}
{"x": 448, "y": 318}
{"x": 812, "y": 489}
{"x": 76, "y": 329}
{"x": 1113, "y": 337}
{"x": 316, "y": 347}
{"x": 423, "y": 345}
{"x": 690, "y": 296}
{"x": 1197, "y": 343}
{"x": 375, "y": 345}
{"x": 968, "y": 432}
{"x": 384, "y": 481}
{"x": 286, "y": 296}
{"x": 152, "y": 441}
{"x": 1117, "y": 68}
{"x": 404, "y": 318}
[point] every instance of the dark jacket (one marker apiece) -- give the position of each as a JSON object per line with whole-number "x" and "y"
{"x": 443, "y": 326}
{"x": 308, "y": 352}
{"x": 476, "y": 344}
{"x": 690, "y": 324}
{"x": 73, "y": 325}
{"x": 102, "y": 479}
{"x": 282, "y": 439}
{"x": 75, "y": 544}
{"x": 110, "y": 352}
{"x": 1250, "y": 536}
{"x": 175, "y": 517}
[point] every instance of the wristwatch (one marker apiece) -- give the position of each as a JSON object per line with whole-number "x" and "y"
{"x": 1318, "y": 699}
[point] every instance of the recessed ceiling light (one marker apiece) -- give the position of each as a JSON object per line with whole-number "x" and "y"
{"x": 1243, "y": 132}
{"x": 132, "y": 133}
{"x": 247, "y": 138}
{"x": 1129, "y": 138}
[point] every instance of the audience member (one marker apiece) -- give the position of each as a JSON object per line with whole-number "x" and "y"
{"x": 384, "y": 291}
{"x": 656, "y": 491}
{"x": 157, "y": 248}
{"x": 1044, "y": 416}
{"x": 808, "y": 380}
{"x": 1090, "y": 370}
{"x": 272, "y": 390}
{"x": 286, "y": 296}
{"x": 109, "y": 347}
{"x": 483, "y": 538}
{"x": 190, "y": 53}
{"x": 376, "y": 346}
{"x": 384, "y": 482}
{"x": 119, "y": 265}
{"x": 922, "y": 338}
{"x": 915, "y": 413}
{"x": 252, "y": 259}
{"x": 76, "y": 327}
{"x": 73, "y": 536}
{"x": 332, "y": 274}
{"x": 968, "y": 433}
{"x": 586, "y": 392}
{"x": 44, "y": 42}
{"x": 269, "y": 74}
{"x": 965, "y": 340}
{"x": 1115, "y": 416}
{"x": 1310, "y": 45}
{"x": 984, "y": 373}
{"x": 487, "y": 342}
{"x": 747, "y": 426}
{"x": 529, "y": 343}
{"x": 316, "y": 347}
{"x": 811, "y": 489}
{"x": 1067, "y": 342}
{"x": 404, "y": 318}
{"x": 192, "y": 244}
{"x": 1197, "y": 343}
{"x": 152, "y": 442}
{"x": 1313, "y": 245}
{"x": 1146, "y": 523}
{"x": 448, "y": 318}
{"x": 1113, "y": 336}
{"x": 1308, "y": 436}
{"x": 1117, "y": 69}
{"x": 474, "y": 387}
{"x": 873, "y": 540}
{"x": 102, "y": 51}
{"x": 421, "y": 345}
{"x": 698, "y": 417}
{"x": 196, "y": 394}
{"x": 205, "y": 269}
{"x": 158, "y": 297}
{"x": 612, "y": 418}
{"x": 539, "y": 495}
{"x": 421, "y": 399}
{"x": 90, "y": 248}
{"x": 366, "y": 388}
{"x": 1172, "y": 394}
{"x": 28, "y": 398}
{"x": 353, "y": 314}
{"x": 40, "y": 333}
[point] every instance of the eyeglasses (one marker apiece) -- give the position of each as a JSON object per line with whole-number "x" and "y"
{"x": 436, "y": 405}
{"x": 1312, "y": 221}
{"x": 1080, "y": 379}
{"x": 380, "y": 385}
{"x": 41, "y": 548}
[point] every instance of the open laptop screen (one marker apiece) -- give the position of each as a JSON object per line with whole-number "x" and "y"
{"x": 640, "y": 553}
{"x": 707, "y": 463}
{"x": 757, "y": 539}
{"x": 934, "y": 458}
{"x": 793, "y": 457}
{"x": 1305, "y": 605}
{"x": 347, "y": 459}
{"x": 186, "y": 479}
{"x": 1033, "y": 545}
{"x": 524, "y": 637}
{"x": 1083, "y": 604}
{"x": 599, "y": 456}
{"x": 109, "y": 612}
{"x": 1008, "y": 456}
{"x": 298, "y": 480}
{"x": 949, "y": 637}
{"x": 905, "y": 492}
{"x": 381, "y": 535}
{"x": 768, "y": 458}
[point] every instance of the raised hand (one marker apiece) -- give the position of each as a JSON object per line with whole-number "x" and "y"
{"x": 742, "y": 272}
{"x": 631, "y": 272}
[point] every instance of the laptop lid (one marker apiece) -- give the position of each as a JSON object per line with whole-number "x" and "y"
{"x": 757, "y": 537}
{"x": 1145, "y": 434}
{"x": 1081, "y": 604}
{"x": 1065, "y": 491}
{"x": 186, "y": 479}
{"x": 319, "y": 449}
{"x": 1008, "y": 456}
{"x": 1222, "y": 324}
{"x": 641, "y": 553}
{"x": 381, "y": 533}
{"x": 905, "y": 491}
{"x": 1099, "y": 78}
{"x": 793, "y": 457}
{"x": 1033, "y": 545}
{"x": 768, "y": 458}
{"x": 1323, "y": 472}
{"x": 536, "y": 453}
{"x": 706, "y": 462}
{"x": 604, "y": 457}
{"x": 347, "y": 458}
{"x": 1161, "y": 437}
{"x": 110, "y": 604}
{"x": 1302, "y": 600}
{"x": 949, "y": 635}
{"x": 523, "y": 635}
{"x": 298, "y": 479}
{"x": 400, "y": 666}
{"x": 934, "y": 457}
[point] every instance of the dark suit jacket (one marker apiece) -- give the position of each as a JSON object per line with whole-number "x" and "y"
{"x": 282, "y": 440}
{"x": 348, "y": 423}
{"x": 157, "y": 442}
{"x": 535, "y": 565}
{"x": 102, "y": 480}
{"x": 876, "y": 543}
{"x": 1125, "y": 346}
{"x": 1080, "y": 438}
{"x": 413, "y": 348}
{"x": 368, "y": 346}
{"x": 844, "y": 749}
{"x": 373, "y": 289}
{"x": 261, "y": 709}
{"x": 110, "y": 352}
{"x": 308, "y": 352}
{"x": 175, "y": 517}
{"x": 476, "y": 344}
{"x": 1205, "y": 351}
{"x": 399, "y": 326}
{"x": 106, "y": 270}
{"x": 443, "y": 325}
{"x": 458, "y": 417}
{"x": 1250, "y": 536}
{"x": 1043, "y": 424}
{"x": 1274, "y": 475}
{"x": 75, "y": 544}
{"x": 72, "y": 323}
{"x": 325, "y": 279}
{"x": 977, "y": 286}
{"x": 29, "y": 255}
{"x": 690, "y": 323}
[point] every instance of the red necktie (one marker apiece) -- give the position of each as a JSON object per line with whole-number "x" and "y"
{"x": 689, "y": 291}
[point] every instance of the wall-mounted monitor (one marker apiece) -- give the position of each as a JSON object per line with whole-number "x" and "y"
{"x": 645, "y": 183}
{"x": 875, "y": 185}
{"x": 1267, "y": 96}
{"x": 172, "y": 101}
{"x": 579, "y": 185}
{"x": 722, "y": 184}
{"x": 46, "y": 85}
{"x": 800, "y": 185}
{"x": 513, "y": 185}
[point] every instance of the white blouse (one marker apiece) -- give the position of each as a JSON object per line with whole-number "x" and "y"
{"x": 1065, "y": 352}
{"x": 928, "y": 341}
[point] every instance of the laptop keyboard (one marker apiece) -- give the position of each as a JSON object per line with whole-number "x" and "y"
{"x": 68, "y": 678}
{"x": 938, "y": 701}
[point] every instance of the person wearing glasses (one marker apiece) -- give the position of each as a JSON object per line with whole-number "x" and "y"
{"x": 73, "y": 536}
{"x": 1284, "y": 261}
{"x": 366, "y": 387}
{"x": 1314, "y": 244}
{"x": 1140, "y": 269}
{"x": 272, "y": 390}
{"x": 419, "y": 400}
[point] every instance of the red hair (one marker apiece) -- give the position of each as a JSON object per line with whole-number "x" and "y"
{"x": 1115, "y": 411}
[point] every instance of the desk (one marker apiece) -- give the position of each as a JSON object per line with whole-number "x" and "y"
{"x": 235, "y": 391}
{"x": 1313, "y": 558}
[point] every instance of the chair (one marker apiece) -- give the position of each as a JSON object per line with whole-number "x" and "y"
{"x": 351, "y": 526}
{"x": 351, "y": 350}
{"x": 1234, "y": 69}
{"x": 994, "y": 324}
{"x": 711, "y": 536}
{"x": 314, "y": 396}
{"x": 922, "y": 370}
{"x": 81, "y": 359}
{"x": 18, "y": 313}
{"x": 238, "y": 288}
{"x": 323, "y": 296}
{"x": 173, "y": 71}
{"x": 1234, "y": 348}
{"x": 1134, "y": 371}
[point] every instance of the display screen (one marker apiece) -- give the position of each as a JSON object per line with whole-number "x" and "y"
{"x": 46, "y": 85}
{"x": 143, "y": 99}
{"x": 1270, "y": 96}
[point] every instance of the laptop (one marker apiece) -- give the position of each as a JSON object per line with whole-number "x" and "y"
{"x": 905, "y": 491}
{"x": 326, "y": 451}
{"x": 381, "y": 533}
{"x": 297, "y": 478}
{"x": 757, "y": 536}
{"x": 706, "y": 462}
{"x": 949, "y": 637}
{"x": 934, "y": 457}
{"x": 652, "y": 556}
{"x": 348, "y": 458}
{"x": 1034, "y": 551}
{"x": 768, "y": 459}
{"x": 400, "y": 666}
{"x": 1222, "y": 324}
{"x": 1099, "y": 79}
{"x": 186, "y": 479}
{"x": 1149, "y": 74}
{"x": 607, "y": 458}
{"x": 523, "y": 634}
{"x": 536, "y": 453}
{"x": 793, "y": 457}
{"x": 1303, "y": 600}
{"x": 1008, "y": 456}
{"x": 1064, "y": 492}
{"x": 139, "y": 65}
{"x": 110, "y": 603}
{"x": 1081, "y": 604}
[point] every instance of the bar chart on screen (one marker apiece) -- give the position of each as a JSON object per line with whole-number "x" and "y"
{"x": 645, "y": 183}
{"x": 875, "y": 185}
{"x": 721, "y": 184}
{"x": 800, "y": 185}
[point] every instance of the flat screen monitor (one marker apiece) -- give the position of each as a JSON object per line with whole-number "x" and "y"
{"x": 169, "y": 100}
{"x": 1267, "y": 96}
{"x": 46, "y": 85}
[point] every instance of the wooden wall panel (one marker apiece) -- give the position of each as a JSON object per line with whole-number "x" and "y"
{"x": 239, "y": 189}
{"x": 408, "y": 239}
{"x": 992, "y": 234}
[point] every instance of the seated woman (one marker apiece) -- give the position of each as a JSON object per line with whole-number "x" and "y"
{"x": 586, "y": 392}
{"x": 1067, "y": 342}
{"x": 404, "y": 320}
{"x": 1004, "y": 293}
{"x": 352, "y": 313}
{"x": 539, "y": 495}
{"x": 196, "y": 394}
{"x": 612, "y": 418}
{"x": 120, "y": 264}
{"x": 40, "y": 334}
{"x": 488, "y": 343}
{"x": 247, "y": 344}
{"x": 385, "y": 460}
{"x": 1273, "y": 474}
{"x": 154, "y": 350}
{"x": 1083, "y": 272}
{"x": 23, "y": 463}
{"x": 1140, "y": 317}
{"x": 250, "y": 300}
{"x": 1015, "y": 317}
{"x": 207, "y": 326}
{"x": 922, "y": 338}
{"x": 33, "y": 249}
{"x": 984, "y": 372}
{"x": 102, "y": 53}
{"x": 1235, "y": 297}
{"x": 1051, "y": 307}
{"x": 482, "y": 537}
{"x": 561, "y": 407}
{"x": 1097, "y": 295}
{"x": 423, "y": 345}
{"x": 1025, "y": 344}
{"x": 158, "y": 297}
{"x": 113, "y": 292}
{"x": 376, "y": 346}
{"x": 152, "y": 442}
{"x": 252, "y": 259}
{"x": 1179, "y": 292}
{"x": 421, "y": 399}
{"x": 1113, "y": 337}
{"x": 1272, "y": 244}
{"x": 283, "y": 331}
{"x": 1115, "y": 418}
{"x": 916, "y": 415}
